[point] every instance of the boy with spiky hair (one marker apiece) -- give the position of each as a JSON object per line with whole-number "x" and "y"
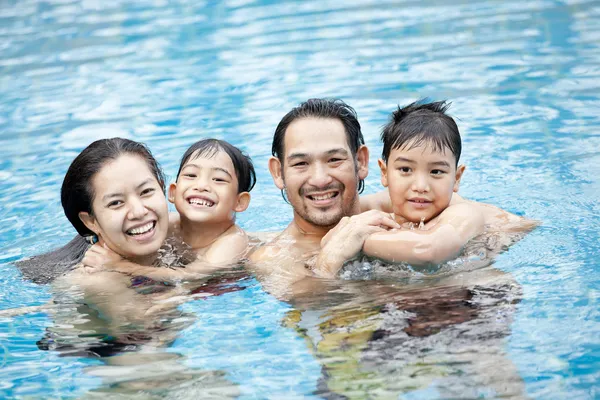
{"x": 420, "y": 169}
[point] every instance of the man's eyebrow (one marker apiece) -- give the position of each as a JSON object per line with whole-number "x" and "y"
{"x": 337, "y": 151}
{"x": 297, "y": 155}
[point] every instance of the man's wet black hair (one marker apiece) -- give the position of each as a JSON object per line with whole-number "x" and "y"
{"x": 242, "y": 163}
{"x": 77, "y": 195}
{"x": 321, "y": 108}
{"x": 421, "y": 123}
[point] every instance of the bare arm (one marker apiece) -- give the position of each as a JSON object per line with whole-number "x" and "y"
{"x": 377, "y": 201}
{"x": 456, "y": 226}
{"x": 228, "y": 249}
{"x": 347, "y": 239}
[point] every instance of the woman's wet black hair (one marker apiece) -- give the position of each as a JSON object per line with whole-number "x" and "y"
{"x": 421, "y": 123}
{"x": 242, "y": 163}
{"x": 77, "y": 195}
{"x": 321, "y": 108}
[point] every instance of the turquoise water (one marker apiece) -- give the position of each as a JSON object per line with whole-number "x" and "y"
{"x": 524, "y": 79}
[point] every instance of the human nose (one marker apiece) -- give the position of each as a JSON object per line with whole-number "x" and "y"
{"x": 201, "y": 184}
{"x": 420, "y": 183}
{"x": 319, "y": 175}
{"x": 137, "y": 209}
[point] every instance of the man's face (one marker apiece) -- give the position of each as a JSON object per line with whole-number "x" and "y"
{"x": 319, "y": 173}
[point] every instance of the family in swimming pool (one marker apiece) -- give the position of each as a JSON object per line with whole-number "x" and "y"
{"x": 114, "y": 191}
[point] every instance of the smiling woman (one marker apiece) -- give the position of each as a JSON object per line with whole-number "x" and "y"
{"x": 113, "y": 193}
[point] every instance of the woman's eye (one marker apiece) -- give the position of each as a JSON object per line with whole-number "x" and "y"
{"x": 114, "y": 203}
{"x": 147, "y": 191}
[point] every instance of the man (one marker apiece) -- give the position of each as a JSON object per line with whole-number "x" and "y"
{"x": 319, "y": 163}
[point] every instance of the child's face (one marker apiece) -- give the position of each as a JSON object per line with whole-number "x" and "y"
{"x": 207, "y": 190}
{"x": 420, "y": 181}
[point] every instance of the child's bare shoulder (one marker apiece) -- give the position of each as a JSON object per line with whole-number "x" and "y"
{"x": 229, "y": 247}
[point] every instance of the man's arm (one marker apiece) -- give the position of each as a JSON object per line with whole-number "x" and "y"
{"x": 456, "y": 226}
{"x": 346, "y": 240}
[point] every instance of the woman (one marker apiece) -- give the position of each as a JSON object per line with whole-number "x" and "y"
{"x": 113, "y": 195}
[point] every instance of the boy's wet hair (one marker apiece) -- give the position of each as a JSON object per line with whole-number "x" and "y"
{"x": 321, "y": 108}
{"x": 242, "y": 163}
{"x": 421, "y": 123}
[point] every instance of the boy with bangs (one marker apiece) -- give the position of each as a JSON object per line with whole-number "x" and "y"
{"x": 212, "y": 185}
{"x": 420, "y": 169}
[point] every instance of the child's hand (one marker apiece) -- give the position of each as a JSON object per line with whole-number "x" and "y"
{"x": 100, "y": 257}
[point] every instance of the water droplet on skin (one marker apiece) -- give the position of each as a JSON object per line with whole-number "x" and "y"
{"x": 422, "y": 224}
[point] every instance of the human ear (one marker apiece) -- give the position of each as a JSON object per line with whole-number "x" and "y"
{"x": 276, "y": 172}
{"x": 172, "y": 189}
{"x": 362, "y": 160}
{"x": 89, "y": 221}
{"x": 383, "y": 167}
{"x": 243, "y": 201}
{"x": 459, "y": 172}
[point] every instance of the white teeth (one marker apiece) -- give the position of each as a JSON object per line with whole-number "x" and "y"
{"x": 201, "y": 202}
{"x": 323, "y": 196}
{"x": 141, "y": 229}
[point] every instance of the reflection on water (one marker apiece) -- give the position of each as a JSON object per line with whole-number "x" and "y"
{"x": 447, "y": 338}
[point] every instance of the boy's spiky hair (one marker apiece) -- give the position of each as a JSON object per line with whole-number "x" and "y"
{"x": 421, "y": 123}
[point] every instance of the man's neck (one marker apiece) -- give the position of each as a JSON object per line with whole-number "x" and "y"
{"x": 301, "y": 228}
{"x": 202, "y": 234}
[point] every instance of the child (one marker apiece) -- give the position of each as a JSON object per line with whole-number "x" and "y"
{"x": 212, "y": 185}
{"x": 419, "y": 166}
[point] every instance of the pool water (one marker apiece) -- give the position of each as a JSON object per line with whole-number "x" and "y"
{"x": 524, "y": 81}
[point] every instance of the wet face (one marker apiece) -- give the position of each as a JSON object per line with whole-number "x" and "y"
{"x": 421, "y": 181}
{"x": 129, "y": 208}
{"x": 319, "y": 174}
{"x": 207, "y": 190}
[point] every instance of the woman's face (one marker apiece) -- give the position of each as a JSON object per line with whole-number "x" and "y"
{"x": 130, "y": 213}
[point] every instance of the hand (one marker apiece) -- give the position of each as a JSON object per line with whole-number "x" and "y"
{"x": 347, "y": 238}
{"x": 100, "y": 258}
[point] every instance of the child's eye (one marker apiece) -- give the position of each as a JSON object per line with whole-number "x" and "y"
{"x": 404, "y": 170}
{"x": 219, "y": 180}
{"x": 189, "y": 175}
{"x": 437, "y": 172}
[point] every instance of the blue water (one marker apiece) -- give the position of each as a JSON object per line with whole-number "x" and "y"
{"x": 524, "y": 79}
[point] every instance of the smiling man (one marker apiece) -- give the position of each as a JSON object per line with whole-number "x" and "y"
{"x": 319, "y": 163}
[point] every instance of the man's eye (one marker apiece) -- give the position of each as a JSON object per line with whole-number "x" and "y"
{"x": 300, "y": 164}
{"x": 334, "y": 160}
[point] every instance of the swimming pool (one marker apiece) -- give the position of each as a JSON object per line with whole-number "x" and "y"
{"x": 524, "y": 79}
